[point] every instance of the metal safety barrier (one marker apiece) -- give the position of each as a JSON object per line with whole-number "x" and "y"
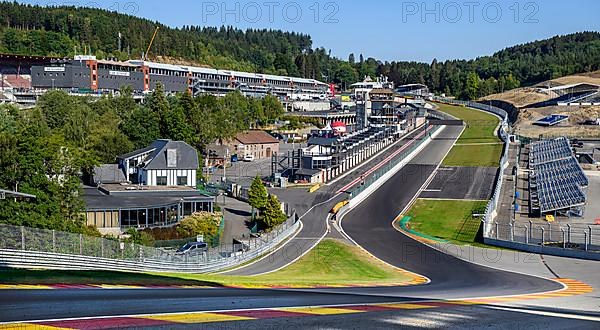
{"x": 23, "y": 247}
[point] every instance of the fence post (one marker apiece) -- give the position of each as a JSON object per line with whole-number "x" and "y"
{"x": 564, "y": 238}
{"x": 590, "y": 235}
{"x": 22, "y": 238}
{"x": 497, "y": 229}
{"x": 141, "y": 254}
{"x": 81, "y": 244}
{"x": 569, "y": 232}
{"x": 549, "y": 231}
{"x": 102, "y": 248}
{"x": 526, "y": 235}
{"x": 543, "y": 238}
{"x": 53, "y": 240}
{"x": 512, "y": 232}
{"x": 530, "y": 229}
{"x": 585, "y": 238}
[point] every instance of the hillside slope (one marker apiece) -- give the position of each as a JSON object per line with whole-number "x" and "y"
{"x": 521, "y": 97}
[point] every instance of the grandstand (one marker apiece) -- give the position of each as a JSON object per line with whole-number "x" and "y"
{"x": 556, "y": 181}
{"x": 574, "y": 94}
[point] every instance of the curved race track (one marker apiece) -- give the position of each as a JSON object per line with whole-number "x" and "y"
{"x": 369, "y": 224}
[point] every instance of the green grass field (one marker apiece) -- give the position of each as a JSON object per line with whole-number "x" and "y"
{"x": 450, "y": 220}
{"x": 330, "y": 263}
{"x": 481, "y": 126}
{"x": 478, "y": 146}
{"x": 485, "y": 155}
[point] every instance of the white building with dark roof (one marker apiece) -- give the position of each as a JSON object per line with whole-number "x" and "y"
{"x": 163, "y": 163}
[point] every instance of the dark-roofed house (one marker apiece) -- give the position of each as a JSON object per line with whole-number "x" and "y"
{"x": 150, "y": 187}
{"x": 163, "y": 163}
{"x": 260, "y": 144}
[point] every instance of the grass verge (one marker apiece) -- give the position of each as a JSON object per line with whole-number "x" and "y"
{"x": 331, "y": 263}
{"x": 481, "y": 129}
{"x": 484, "y": 155}
{"x": 450, "y": 220}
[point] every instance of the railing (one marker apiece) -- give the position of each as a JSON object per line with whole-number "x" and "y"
{"x": 570, "y": 240}
{"x": 23, "y": 247}
{"x": 491, "y": 208}
{"x": 392, "y": 163}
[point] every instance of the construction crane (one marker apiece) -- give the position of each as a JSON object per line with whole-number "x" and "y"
{"x": 150, "y": 45}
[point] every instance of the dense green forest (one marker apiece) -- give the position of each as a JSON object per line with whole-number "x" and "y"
{"x": 64, "y": 31}
{"x": 46, "y": 150}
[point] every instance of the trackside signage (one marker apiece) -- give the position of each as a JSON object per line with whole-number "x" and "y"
{"x": 54, "y": 69}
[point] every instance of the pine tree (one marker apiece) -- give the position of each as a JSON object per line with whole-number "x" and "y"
{"x": 257, "y": 195}
{"x": 273, "y": 216}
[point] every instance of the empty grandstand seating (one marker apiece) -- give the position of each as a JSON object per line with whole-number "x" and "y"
{"x": 548, "y": 151}
{"x": 556, "y": 179}
{"x": 17, "y": 81}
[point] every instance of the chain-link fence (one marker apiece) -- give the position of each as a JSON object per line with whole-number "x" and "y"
{"x": 578, "y": 237}
{"x": 36, "y": 241}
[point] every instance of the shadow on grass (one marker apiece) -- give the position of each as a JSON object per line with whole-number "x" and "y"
{"x": 75, "y": 277}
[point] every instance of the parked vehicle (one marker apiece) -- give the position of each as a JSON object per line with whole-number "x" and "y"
{"x": 249, "y": 158}
{"x": 193, "y": 248}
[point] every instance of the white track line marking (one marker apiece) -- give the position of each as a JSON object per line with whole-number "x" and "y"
{"x": 545, "y": 313}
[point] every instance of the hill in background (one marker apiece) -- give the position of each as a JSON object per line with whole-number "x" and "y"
{"x": 65, "y": 31}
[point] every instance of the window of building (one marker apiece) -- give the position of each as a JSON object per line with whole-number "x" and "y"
{"x": 161, "y": 180}
{"x": 182, "y": 180}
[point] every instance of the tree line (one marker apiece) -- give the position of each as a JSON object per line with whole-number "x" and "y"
{"x": 46, "y": 150}
{"x": 64, "y": 31}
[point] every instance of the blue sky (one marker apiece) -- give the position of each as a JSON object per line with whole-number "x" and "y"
{"x": 384, "y": 29}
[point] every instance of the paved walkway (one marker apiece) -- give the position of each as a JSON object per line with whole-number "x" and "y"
{"x": 236, "y": 213}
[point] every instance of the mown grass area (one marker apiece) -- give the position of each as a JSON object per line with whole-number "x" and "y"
{"x": 330, "y": 263}
{"x": 478, "y": 146}
{"x": 483, "y": 155}
{"x": 450, "y": 220}
{"x": 481, "y": 126}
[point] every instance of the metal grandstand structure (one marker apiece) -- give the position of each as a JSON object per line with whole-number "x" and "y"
{"x": 556, "y": 180}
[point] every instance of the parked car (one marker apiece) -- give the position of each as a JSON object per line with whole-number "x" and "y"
{"x": 249, "y": 158}
{"x": 193, "y": 248}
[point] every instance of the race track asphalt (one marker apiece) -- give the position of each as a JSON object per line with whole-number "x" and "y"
{"x": 370, "y": 224}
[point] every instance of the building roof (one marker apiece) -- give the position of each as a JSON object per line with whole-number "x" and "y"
{"x": 186, "y": 156}
{"x": 323, "y": 141}
{"x": 382, "y": 91}
{"x": 109, "y": 173}
{"x": 96, "y": 199}
{"x": 255, "y": 137}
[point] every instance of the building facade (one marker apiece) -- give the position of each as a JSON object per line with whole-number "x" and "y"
{"x": 163, "y": 163}
{"x": 86, "y": 73}
{"x": 259, "y": 144}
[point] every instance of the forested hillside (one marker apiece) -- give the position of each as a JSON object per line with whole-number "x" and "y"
{"x": 64, "y": 31}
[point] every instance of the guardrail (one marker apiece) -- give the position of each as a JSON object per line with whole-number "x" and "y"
{"x": 23, "y": 247}
{"x": 569, "y": 241}
{"x": 491, "y": 208}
